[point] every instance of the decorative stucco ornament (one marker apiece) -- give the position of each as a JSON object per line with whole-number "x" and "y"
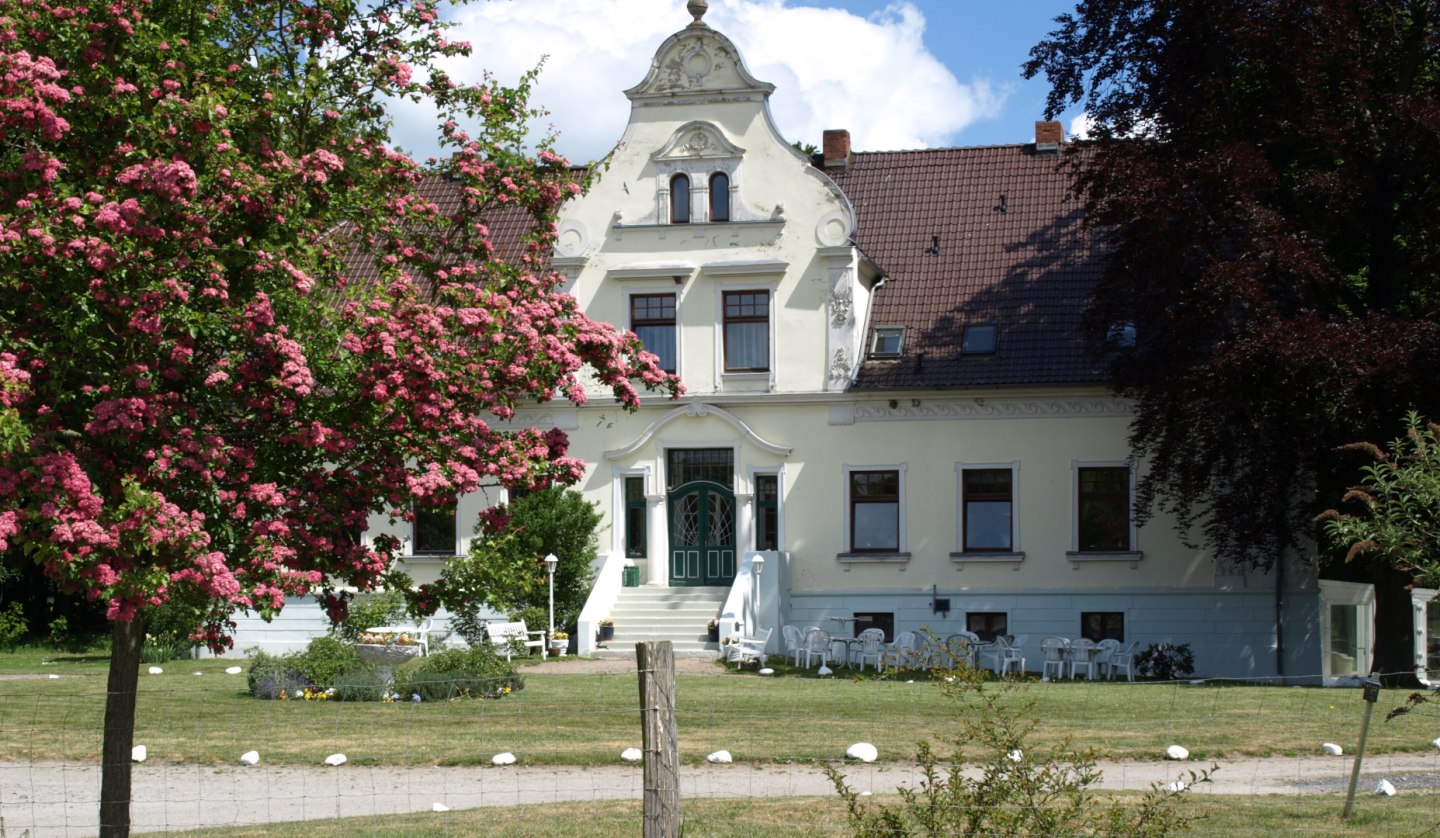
{"x": 840, "y": 366}
{"x": 840, "y": 302}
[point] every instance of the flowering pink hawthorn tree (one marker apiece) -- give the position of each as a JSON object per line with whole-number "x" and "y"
{"x": 236, "y": 323}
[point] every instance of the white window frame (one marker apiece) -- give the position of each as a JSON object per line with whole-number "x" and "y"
{"x": 655, "y": 291}
{"x": 902, "y": 551}
{"x": 768, "y": 288}
{"x": 1015, "y": 554}
{"x": 777, "y": 472}
{"x": 617, "y": 504}
{"x": 455, "y": 534}
{"x": 1074, "y": 554}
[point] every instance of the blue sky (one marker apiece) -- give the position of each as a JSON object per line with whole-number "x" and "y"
{"x": 897, "y": 73}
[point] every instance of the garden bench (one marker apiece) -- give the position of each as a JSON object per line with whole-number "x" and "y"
{"x": 508, "y": 637}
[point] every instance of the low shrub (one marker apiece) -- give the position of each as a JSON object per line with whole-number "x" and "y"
{"x": 273, "y": 677}
{"x": 324, "y": 659}
{"x": 1165, "y": 662}
{"x": 362, "y": 683}
{"x": 474, "y": 673}
{"x": 12, "y": 626}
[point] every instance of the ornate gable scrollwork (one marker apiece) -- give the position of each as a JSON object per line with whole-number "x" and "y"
{"x": 697, "y": 61}
{"x": 697, "y": 140}
{"x": 699, "y": 409}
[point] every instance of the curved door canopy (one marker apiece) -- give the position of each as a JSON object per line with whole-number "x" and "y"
{"x": 702, "y": 534}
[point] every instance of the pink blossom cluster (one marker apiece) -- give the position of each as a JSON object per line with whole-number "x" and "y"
{"x": 211, "y": 404}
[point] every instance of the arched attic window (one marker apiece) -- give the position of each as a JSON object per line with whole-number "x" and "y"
{"x": 719, "y": 197}
{"x": 680, "y": 199}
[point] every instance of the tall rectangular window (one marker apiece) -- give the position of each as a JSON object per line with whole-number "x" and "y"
{"x": 988, "y": 499}
{"x": 767, "y": 512}
{"x": 435, "y": 530}
{"x": 636, "y": 516}
{"x": 652, "y": 319}
{"x": 874, "y": 511}
{"x": 747, "y": 331}
{"x": 1103, "y": 507}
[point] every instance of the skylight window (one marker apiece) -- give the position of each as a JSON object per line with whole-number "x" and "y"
{"x": 978, "y": 339}
{"x": 1121, "y": 335}
{"x": 887, "y": 341}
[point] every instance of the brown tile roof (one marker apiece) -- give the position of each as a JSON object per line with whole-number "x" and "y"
{"x": 1027, "y": 268}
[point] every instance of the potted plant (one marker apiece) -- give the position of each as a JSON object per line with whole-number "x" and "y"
{"x": 559, "y": 642}
{"x": 607, "y": 629}
{"x": 713, "y": 629}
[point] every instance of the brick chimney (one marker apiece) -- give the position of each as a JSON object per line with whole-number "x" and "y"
{"x": 1049, "y": 136}
{"x": 837, "y": 148}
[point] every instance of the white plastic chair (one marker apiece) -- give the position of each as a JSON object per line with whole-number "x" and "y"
{"x": 994, "y": 652}
{"x": 817, "y": 646}
{"x": 1104, "y": 653}
{"x": 871, "y": 646}
{"x": 794, "y": 642}
{"x": 1124, "y": 659}
{"x": 1054, "y": 648}
{"x": 905, "y": 652}
{"x": 1014, "y": 655}
{"x": 961, "y": 649}
{"x": 1082, "y": 653}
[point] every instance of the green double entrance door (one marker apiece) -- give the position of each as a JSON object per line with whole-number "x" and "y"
{"x": 702, "y": 534}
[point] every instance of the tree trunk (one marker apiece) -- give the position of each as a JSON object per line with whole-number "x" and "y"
{"x": 126, "y": 640}
{"x": 1394, "y": 626}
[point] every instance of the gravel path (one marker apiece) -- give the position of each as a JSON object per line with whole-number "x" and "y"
{"x": 52, "y": 800}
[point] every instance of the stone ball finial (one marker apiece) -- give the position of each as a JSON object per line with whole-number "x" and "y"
{"x": 697, "y": 9}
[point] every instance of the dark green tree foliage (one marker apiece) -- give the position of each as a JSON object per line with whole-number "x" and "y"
{"x": 1398, "y": 503}
{"x": 505, "y": 569}
{"x": 1266, "y": 174}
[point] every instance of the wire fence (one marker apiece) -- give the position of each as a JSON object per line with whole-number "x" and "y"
{"x": 554, "y": 753}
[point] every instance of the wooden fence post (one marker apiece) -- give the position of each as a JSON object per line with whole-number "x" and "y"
{"x": 655, "y": 662}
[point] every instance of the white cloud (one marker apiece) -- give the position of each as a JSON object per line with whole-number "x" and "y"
{"x": 1080, "y": 126}
{"x": 831, "y": 69}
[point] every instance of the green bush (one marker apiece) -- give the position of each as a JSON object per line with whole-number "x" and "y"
{"x": 12, "y": 626}
{"x": 1165, "y": 662}
{"x": 324, "y": 659}
{"x": 378, "y": 609}
{"x": 475, "y": 673}
{"x": 362, "y": 683}
{"x": 536, "y": 617}
{"x": 504, "y": 570}
{"x": 993, "y": 782}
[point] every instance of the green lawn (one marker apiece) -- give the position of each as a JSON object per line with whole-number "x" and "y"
{"x": 1258, "y": 817}
{"x": 589, "y": 719}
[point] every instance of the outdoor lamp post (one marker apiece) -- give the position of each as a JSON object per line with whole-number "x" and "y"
{"x": 550, "y": 562}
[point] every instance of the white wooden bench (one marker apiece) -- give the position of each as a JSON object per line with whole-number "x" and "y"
{"x": 509, "y": 637}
